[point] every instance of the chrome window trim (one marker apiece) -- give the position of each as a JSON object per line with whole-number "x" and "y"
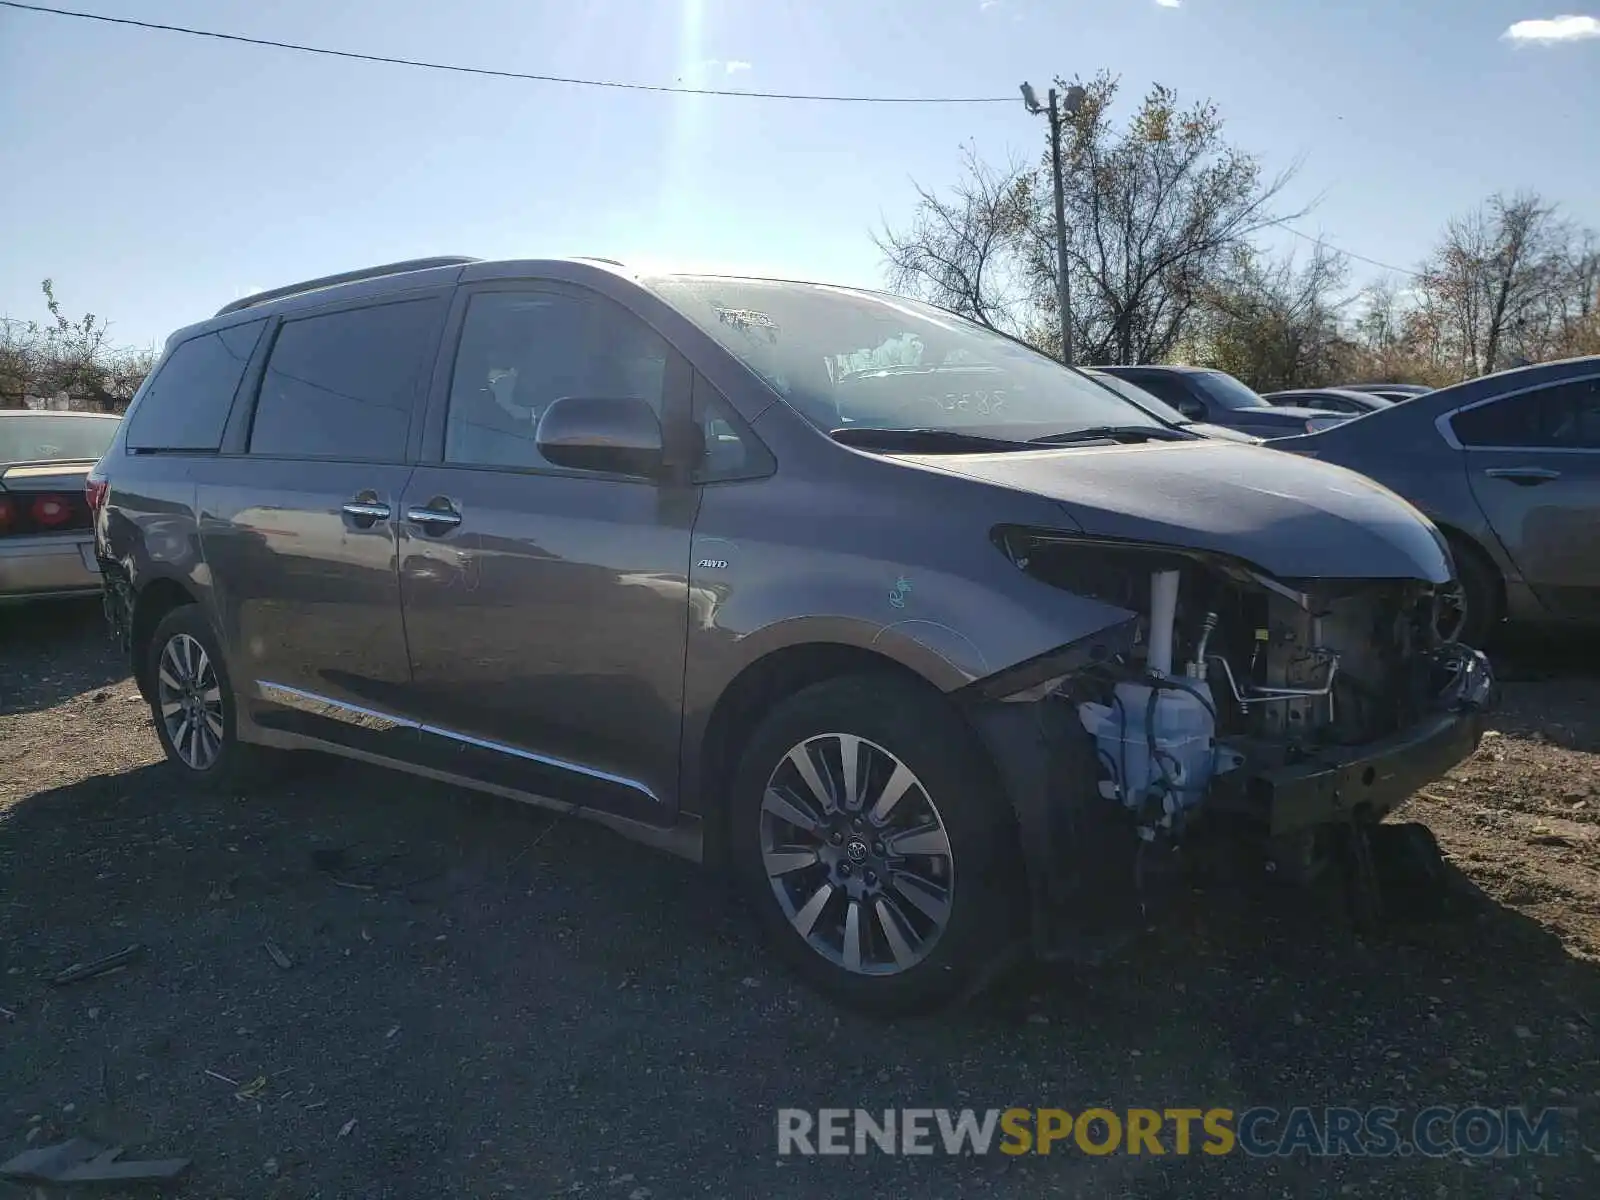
{"x": 1447, "y": 432}
{"x": 367, "y": 718}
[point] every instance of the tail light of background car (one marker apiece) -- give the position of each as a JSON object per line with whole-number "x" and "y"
{"x": 23, "y": 513}
{"x": 50, "y": 512}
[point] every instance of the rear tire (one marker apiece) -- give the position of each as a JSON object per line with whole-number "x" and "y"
{"x": 890, "y": 887}
{"x": 1480, "y": 593}
{"x": 194, "y": 709}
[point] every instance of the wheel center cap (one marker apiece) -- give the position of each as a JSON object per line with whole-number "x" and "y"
{"x": 856, "y": 849}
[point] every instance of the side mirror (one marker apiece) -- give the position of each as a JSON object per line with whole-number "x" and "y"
{"x": 1192, "y": 409}
{"x": 620, "y": 436}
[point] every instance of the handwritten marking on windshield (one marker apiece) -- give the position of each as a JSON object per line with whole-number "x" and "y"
{"x": 746, "y": 319}
{"x": 980, "y": 402}
{"x": 897, "y": 597}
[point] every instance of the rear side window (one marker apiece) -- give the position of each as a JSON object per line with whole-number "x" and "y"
{"x": 344, "y": 384}
{"x": 186, "y": 405}
{"x": 1563, "y": 417}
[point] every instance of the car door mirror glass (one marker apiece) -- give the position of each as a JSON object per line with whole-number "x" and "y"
{"x": 615, "y": 435}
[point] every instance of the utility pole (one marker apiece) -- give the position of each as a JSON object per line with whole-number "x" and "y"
{"x": 1060, "y": 107}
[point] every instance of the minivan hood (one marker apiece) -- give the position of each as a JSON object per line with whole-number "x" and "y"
{"x": 1292, "y": 517}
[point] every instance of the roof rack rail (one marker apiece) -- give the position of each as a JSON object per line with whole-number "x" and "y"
{"x": 325, "y": 281}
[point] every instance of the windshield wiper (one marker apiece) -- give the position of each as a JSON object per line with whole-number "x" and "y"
{"x": 1114, "y": 433}
{"x": 874, "y": 437}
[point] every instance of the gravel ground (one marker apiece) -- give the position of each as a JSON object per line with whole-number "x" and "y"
{"x": 483, "y": 1000}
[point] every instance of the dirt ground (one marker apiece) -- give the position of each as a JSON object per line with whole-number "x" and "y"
{"x": 481, "y": 999}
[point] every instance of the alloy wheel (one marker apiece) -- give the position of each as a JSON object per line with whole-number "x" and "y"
{"x": 190, "y": 700}
{"x": 857, "y": 854}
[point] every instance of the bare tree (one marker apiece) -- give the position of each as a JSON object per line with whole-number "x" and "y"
{"x": 67, "y": 357}
{"x": 1392, "y": 340}
{"x": 1154, "y": 209}
{"x": 16, "y": 362}
{"x": 1493, "y": 283}
{"x": 959, "y": 251}
{"x": 1576, "y": 323}
{"x": 1379, "y": 320}
{"x": 1274, "y": 323}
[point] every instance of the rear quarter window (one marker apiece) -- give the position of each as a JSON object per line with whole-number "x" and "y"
{"x": 1563, "y": 416}
{"x": 344, "y": 384}
{"x": 186, "y": 405}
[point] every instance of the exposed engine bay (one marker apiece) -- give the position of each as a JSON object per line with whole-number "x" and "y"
{"x": 1227, "y": 675}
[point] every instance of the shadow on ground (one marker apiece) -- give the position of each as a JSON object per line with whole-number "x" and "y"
{"x": 54, "y": 650}
{"x": 482, "y": 998}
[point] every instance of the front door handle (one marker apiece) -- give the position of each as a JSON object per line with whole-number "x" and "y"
{"x": 436, "y": 516}
{"x": 1527, "y": 476}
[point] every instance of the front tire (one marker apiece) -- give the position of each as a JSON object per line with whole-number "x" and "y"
{"x": 875, "y": 845}
{"x": 193, "y": 705}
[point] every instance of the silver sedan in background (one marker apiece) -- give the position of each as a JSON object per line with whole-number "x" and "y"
{"x": 46, "y": 528}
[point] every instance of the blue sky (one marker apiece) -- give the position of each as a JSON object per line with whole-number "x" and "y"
{"x": 156, "y": 176}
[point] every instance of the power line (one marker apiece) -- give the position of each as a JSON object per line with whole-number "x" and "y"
{"x": 1347, "y": 253}
{"x": 488, "y": 71}
{"x": 617, "y": 85}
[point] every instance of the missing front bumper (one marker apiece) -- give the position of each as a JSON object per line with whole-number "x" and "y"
{"x": 1337, "y": 785}
{"x": 1089, "y": 894}
{"x": 1366, "y": 783}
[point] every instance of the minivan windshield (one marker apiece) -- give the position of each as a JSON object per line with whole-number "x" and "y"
{"x": 53, "y": 437}
{"x": 849, "y": 359}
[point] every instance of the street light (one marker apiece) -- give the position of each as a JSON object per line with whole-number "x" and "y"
{"x": 1058, "y": 108}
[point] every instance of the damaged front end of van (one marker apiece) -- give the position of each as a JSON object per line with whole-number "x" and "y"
{"x": 1283, "y": 674}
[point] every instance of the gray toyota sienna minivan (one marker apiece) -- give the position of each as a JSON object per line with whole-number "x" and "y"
{"x": 927, "y": 638}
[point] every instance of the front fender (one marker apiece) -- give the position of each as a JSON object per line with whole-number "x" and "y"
{"x": 950, "y": 631}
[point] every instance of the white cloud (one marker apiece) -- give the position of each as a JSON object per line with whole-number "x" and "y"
{"x": 1554, "y": 29}
{"x": 734, "y": 66}
{"x": 1170, "y": 3}
{"x": 986, "y": 5}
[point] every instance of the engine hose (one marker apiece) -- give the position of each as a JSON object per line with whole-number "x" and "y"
{"x": 1122, "y": 747}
